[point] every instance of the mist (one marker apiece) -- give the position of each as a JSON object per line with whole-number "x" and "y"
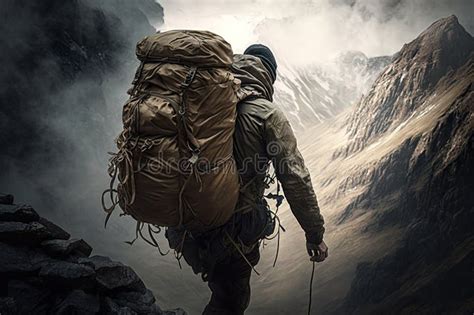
{"x": 304, "y": 32}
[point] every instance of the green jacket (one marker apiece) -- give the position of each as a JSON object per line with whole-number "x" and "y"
{"x": 263, "y": 134}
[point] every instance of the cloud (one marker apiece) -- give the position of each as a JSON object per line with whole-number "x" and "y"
{"x": 313, "y": 31}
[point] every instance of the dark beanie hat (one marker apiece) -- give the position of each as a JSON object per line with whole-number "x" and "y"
{"x": 266, "y": 56}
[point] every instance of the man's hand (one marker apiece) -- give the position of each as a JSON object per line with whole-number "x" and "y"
{"x": 317, "y": 253}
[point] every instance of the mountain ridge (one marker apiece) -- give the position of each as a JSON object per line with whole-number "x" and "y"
{"x": 419, "y": 66}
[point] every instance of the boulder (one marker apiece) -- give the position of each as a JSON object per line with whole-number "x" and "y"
{"x": 20, "y": 259}
{"x": 29, "y": 299}
{"x": 141, "y": 303}
{"x": 110, "y": 307}
{"x": 63, "y": 248}
{"x": 19, "y": 232}
{"x": 8, "y": 305}
{"x": 67, "y": 274}
{"x": 6, "y": 199}
{"x": 55, "y": 231}
{"x": 14, "y": 259}
{"x": 19, "y": 213}
{"x": 113, "y": 275}
{"x": 78, "y": 302}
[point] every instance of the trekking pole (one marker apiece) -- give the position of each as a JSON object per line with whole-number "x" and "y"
{"x": 311, "y": 289}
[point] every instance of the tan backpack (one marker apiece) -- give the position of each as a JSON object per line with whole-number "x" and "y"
{"x": 174, "y": 163}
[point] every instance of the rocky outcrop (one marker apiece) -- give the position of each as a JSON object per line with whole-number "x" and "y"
{"x": 44, "y": 271}
{"x": 429, "y": 272}
{"x": 406, "y": 86}
{"x": 423, "y": 184}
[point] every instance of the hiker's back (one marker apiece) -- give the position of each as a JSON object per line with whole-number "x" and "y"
{"x": 254, "y": 113}
{"x": 175, "y": 162}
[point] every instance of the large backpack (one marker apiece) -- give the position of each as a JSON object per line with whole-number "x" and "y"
{"x": 174, "y": 163}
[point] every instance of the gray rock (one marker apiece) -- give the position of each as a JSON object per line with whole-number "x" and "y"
{"x": 63, "y": 248}
{"x": 20, "y": 213}
{"x": 78, "y": 302}
{"x": 20, "y": 232}
{"x": 14, "y": 259}
{"x": 8, "y": 305}
{"x": 20, "y": 259}
{"x": 142, "y": 303}
{"x": 6, "y": 199}
{"x": 55, "y": 231}
{"x": 113, "y": 275}
{"x": 67, "y": 274}
{"x": 29, "y": 299}
{"x": 110, "y": 307}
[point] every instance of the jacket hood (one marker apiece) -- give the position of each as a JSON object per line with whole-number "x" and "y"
{"x": 254, "y": 77}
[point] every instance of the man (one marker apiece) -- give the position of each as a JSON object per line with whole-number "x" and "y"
{"x": 226, "y": 256}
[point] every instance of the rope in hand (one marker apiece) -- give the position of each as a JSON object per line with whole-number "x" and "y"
{"x": 311, "y": 289}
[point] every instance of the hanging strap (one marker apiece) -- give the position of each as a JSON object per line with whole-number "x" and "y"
{"x": 190, "y": 141}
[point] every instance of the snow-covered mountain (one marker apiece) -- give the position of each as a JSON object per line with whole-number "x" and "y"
{"x": 312, "y": 94}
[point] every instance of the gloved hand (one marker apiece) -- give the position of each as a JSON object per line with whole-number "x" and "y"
{"x": 317, "y": 252}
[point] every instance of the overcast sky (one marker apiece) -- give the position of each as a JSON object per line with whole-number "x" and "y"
{"x": 308, "y": 31}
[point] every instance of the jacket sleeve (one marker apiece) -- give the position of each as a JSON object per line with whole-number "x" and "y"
{"x": 293, "y": 175}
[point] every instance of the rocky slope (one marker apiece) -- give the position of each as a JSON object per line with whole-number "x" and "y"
{"x": 425, "y": 184}
{"x": 410, "y": 84}
{"x": 44, "y": 271}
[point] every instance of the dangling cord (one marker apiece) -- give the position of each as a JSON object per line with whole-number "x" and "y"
{"x": 311, "y": 289}
{"x": 151, "y": 232}
{"x": 153, "y": 242}
{"x": 241, "y": 253}
{"x": 277, "y": 235}
{"x": 124, "y": 156}
{"x": 279, "y": 200}
{"x": 136, "y": 234}
{"x": 178, "y": 257}
{"x": 278, "y": 248}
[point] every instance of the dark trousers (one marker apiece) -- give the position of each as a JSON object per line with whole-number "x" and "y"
{"x": 216, "y": 258}
{"x": 230, "y": 285}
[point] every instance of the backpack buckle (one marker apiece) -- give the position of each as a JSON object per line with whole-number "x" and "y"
{"x": 193, "y": 159}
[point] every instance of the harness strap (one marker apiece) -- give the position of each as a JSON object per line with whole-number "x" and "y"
{"x": 191, "y": 142}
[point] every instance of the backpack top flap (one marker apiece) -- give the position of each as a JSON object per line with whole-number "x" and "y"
{"x": 200, "y": 48}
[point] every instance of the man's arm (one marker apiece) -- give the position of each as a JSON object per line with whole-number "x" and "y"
{"x": 294, "y": 176}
